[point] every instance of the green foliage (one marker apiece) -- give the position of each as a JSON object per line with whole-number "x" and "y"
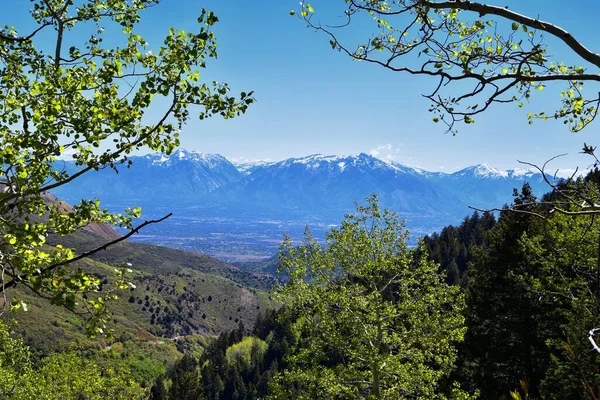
{"x": 58, "y": 376}
{"x": 68, "y": 376}
{"x": 567, "y": 256}
{"x": 453, "y": 247}
{"x": 532, "y": 296}
{"x": 92, "y": 101}
{"x": 477, "y": 55}
{"x": 177, "y": 285}
{"x": 15, "y": 361}
{"x": 243, "y": 352}
{"x": 185, "y": 382}
{"x": 502, "y": 345}
{"x": 370, "y": 320}
{"x": 262, "y": 356}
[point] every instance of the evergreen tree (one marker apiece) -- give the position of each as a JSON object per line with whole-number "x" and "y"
{"x": 186, "y": 383}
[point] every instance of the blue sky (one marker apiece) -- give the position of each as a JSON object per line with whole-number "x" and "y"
{"x": 311, "y": 99}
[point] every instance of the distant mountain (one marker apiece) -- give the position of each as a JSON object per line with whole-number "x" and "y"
{"x": 315, "y": 184}
{"x": 247, "y": 168}
{"x": 183, "y": 174}
{"x": 485, "y": 186}
{"x": 239, "y": 212}
{"x": 320, "y": 183}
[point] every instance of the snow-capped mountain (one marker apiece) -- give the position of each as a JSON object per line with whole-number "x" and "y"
{"x": 486, "y": 171}
{"x": 522, "y": 173}
{"x": 483, "y": 171}
{"x": 247, "y": 168}
{"x": 332, "y": 164}
{"x": 321, "y": 182}
{"x": 182, "y": 155}
{"x": 317, "y": 183}
{"x": 312, "y": 184}
{"x": 155, "y": 177}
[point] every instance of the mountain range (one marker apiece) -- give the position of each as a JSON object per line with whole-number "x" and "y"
{"x": 315, "y": 183}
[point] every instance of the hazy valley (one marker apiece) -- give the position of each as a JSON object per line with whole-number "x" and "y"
{"x": 240, "y": 212}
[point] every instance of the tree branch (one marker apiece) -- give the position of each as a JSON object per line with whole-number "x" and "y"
{"x": 8, "y": 38}
{"x": 556, "y": 31}
{"x": 86, "y": 254}
{"x": 113, "y": 155}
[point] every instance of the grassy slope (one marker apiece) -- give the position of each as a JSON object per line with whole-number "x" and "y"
{"x": 180, "y": 298}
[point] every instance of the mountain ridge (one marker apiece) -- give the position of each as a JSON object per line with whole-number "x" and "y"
{"x": 240, "y": 211}
{"x": 314, "y": 181}
{"x": 249, "y": 165}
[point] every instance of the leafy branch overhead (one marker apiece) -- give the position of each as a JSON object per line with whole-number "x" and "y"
{"x": 478, "y": 54}
{"x": 95, "y": 104}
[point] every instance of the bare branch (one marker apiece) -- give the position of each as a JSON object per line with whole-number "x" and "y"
{"x": 510, "y": 209}
{"x": 591, "y": 334}
{"x": 7, "y": 38}
{"x": 87, "y": 254}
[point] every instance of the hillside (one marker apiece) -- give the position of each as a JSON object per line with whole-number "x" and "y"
{"x": 180, "y": 297}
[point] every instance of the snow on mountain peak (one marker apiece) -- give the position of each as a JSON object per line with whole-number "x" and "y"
{"x": 335, "y": 163}
{"x": 521, "y": 172}
{"x": 484, "y": 170}
{"x": 332, "y": 163}
{"x": 315, "y": 161}
{"x": 181, "y": 154}
{"x": 160, "y": 160}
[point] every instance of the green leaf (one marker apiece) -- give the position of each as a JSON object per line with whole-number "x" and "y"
{"x": 51, "y": 107}
{"x": 361, "y": 281}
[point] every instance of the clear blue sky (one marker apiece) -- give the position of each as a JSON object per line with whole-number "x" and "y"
{"x": 311, "y": 99}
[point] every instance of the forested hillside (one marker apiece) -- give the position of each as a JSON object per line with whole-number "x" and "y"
{"x": 529, "y": 286}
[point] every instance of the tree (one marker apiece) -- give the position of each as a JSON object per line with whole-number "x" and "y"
{"x": 186, "y": 383}
{"x": 58, "y": 376}
{"x": 503, "y": 344}
{"x": 532, "y": 296}
{"x": 96, "y": 104}
{"x": 15, "y": 361}
{"x": 478, "y": 54}
{"x": 453, "y": 247}
{"x": 568, "y": 285}
{"x": 371, "y": 320}
{"x": 240, "y": 365}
